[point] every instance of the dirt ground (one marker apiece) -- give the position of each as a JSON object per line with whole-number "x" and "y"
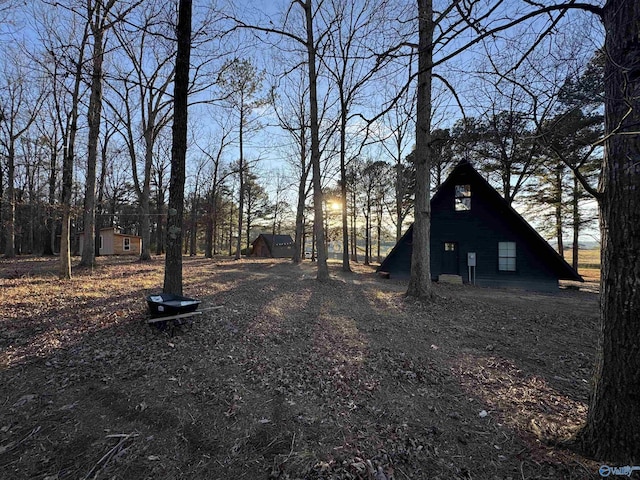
{"x": 289, "y": 378}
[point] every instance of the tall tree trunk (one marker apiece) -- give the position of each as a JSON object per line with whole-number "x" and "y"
{"x": 298, "y": 253}
{"x": 575, "y": 205}
{"x": 194, "y": 224}
{"x": 304, "y": 238}
{"x": 506, "y": 183}
{"x": 208, "y": 238}
{"x": 100, "y": 200}
{"x": 208, "y": 233}
{"x": 34, "y": 216}
{"x": 241, "y": 193}
{"x": 218, "y": 236}
{"x": 558, "y": 209}
{"x": 2, "y": 236}
{"x": 64, "y": 269}
{"x": 49, "y": 241}
{"x": 367, "y": 236}
{"x": 343, "y": 184}
{"x": 318, "y": 214}
{"x": 230, "y": 227}
{"x": 612, "y": 430}
{"x": 420, "y": 282}
{"x": 275, "y": 217}
{"x": 399, "y": 185}
{"x": 173, "y": 259}
{"x": 94, "y": 117}
{"x": 249, "y": 218}
{"x": 10, "y": 232}
{"x": 379, "y": 231}
{"x": 160, "y": 215}
{"x": 145, "y": 210}
{"x": 354, "y": 226}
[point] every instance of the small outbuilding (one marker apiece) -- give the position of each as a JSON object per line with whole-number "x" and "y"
{"x": 273, "y": 246}
{"x": 477, "y": 237}
{"x": 112, "y": 242}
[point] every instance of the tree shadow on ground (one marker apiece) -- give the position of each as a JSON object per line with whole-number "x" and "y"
{"x": 290, "y": 377}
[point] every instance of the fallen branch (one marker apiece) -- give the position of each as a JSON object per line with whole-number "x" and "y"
{"x": 179, "y": 316}
{"x": 11, "y": 445}
{"x": 106, "y": 458}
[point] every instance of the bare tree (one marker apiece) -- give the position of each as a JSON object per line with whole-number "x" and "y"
{"x": 353, "y": 180}
{"x": 101, "y": 15}
{"x": 20, "y": 101}
{"x": 51, "y": 132}
{"x": 289, "y": 98}
{"x": 352, "y": 64}
{"x": 240, "y": 82}
{"x": 218, "y": 176}
{"x": 144, "y": 101}
{"x": 106, "y": 155}
{"x": 195, "y": 205}
{"x": 66, "y": 52}
{"x": 114, "y": 189}
{"x": 31, "y": 163}
{"x": 279, "y": 204}
{"x": 310, "y": 43}
{"x": 420, "y": 282}
{"x": 371, "y": 178}
{"x": 397, "y": 123}
{"x": 160, "y": 174}
{"x": 173, "y": 260}
{"x": 62, "y": 64}
{"x": 318, "y": 227}
{"x": 291, "y": 110}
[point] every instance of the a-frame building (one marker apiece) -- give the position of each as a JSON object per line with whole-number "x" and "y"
{"x": 477, "y": 237}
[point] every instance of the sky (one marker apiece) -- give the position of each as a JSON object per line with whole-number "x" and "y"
{"x": 270, "y": 146}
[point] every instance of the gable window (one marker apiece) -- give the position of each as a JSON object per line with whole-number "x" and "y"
{"x": 463, "y": 198}
{"x": 507, "y": 256}
{"x": 126, "y": 244}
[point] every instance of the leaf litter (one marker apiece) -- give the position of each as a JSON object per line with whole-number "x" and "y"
{"x": 289, "y": 379}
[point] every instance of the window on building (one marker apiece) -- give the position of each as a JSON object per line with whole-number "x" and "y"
{"x": 449, "y": 247}
{"x": 463, "y": 198}
{"x": 126, "y": 244}
{"x": 101, "y": 244}
{"x": 507, "y": 256}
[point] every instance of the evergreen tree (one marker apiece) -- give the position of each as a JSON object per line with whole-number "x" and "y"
{"x": 568, "y": 145}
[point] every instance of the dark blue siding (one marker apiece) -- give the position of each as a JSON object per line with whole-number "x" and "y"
{"x": 479, "y": 230}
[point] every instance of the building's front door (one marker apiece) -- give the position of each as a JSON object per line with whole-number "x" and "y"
{"x": 450, "y": 258}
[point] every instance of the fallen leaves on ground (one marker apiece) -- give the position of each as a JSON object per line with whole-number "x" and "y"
{"x": 289, "y": 379}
